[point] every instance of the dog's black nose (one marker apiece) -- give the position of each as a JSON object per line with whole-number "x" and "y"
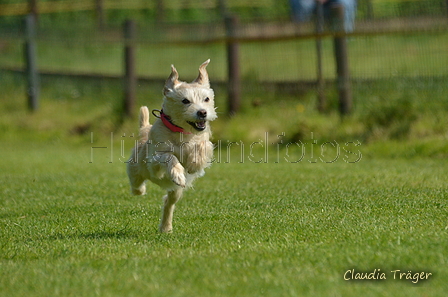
{"x": 202, "y": 113}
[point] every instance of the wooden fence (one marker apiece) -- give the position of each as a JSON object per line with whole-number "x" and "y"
{"x": 232, "y": 41}
{"x": 232, "y": 38}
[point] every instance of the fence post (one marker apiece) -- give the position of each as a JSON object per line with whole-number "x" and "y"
{"x": 99, "y": 8}
{"x": 130, "y": 78}
{"x": 369, "y": 10}
{"x": 32, "y": 5}
{"x": 321, "y": 100}
{"x": 31, "y": 62}
{"x": 222, "y": 8}
{"x": 233, "y": 66}
{"x": 160, "y": 11}
{"x": 341, "y": 57}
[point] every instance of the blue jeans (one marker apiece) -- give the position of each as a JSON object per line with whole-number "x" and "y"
{"x": 302, "y": 11}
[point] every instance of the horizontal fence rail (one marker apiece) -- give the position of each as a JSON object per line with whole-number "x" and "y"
{"x": 247, "y": 35}
{"x": 370, "y": 8}
{"x": 82, "y": 5}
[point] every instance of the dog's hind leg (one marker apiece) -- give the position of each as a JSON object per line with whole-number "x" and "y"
{"x": 138, "y": 184}
{"x": 169, "y": 200}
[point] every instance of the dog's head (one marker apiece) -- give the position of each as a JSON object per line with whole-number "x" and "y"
{"x": 189, "y": 105}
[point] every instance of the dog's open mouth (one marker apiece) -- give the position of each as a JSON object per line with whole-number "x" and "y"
{"x": 199, "y": 125}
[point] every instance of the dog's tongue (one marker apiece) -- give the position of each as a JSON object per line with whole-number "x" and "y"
{"x": 200, "y": 124}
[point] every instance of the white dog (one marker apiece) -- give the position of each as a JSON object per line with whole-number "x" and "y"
{"x": 176, "y": 148}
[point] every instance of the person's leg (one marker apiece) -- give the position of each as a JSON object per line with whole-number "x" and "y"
{"x": 349, "y": 13}
{"x": 302, "y": 10}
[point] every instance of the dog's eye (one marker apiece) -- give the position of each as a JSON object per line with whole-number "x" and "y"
{"x": 207, "y": 99}
{"x": 186, "y": 101}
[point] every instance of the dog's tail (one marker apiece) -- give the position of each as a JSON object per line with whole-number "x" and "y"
{"x": 145, "y": 126}
{"x": 144, "y": 117}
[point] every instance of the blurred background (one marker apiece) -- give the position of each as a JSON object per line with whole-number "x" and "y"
{"x": 370, "y": 70}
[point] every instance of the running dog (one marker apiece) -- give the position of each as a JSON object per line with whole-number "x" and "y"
{"x": 176, "y": 149}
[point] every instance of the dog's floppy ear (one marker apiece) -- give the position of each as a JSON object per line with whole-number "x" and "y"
{"x": 203, "y": 75}
{"x": 172, "y": 81}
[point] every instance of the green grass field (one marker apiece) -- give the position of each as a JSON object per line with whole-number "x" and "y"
{"x": 71, "y": 228}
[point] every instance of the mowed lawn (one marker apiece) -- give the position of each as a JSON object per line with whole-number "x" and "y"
{"x": 70, "y": 228}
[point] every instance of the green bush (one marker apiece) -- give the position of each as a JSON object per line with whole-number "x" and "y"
{"x": 392, "y": 119}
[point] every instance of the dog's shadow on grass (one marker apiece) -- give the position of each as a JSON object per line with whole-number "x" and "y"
{"x": 107, "y": 235}
{"x": 97, "y": 235}
{"x": 114, "y": 235}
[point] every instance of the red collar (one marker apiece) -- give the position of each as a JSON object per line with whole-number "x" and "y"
{"x": 166, "y": 120}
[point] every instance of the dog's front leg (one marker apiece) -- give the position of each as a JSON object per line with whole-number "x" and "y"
{"x": 169, "y": 201}
{"x": 173, "y": 167}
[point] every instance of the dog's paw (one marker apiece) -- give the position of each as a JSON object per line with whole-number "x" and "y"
{"x": 179, "y": 180}
{"x": 178, "y": 176}
{"x": 166, "y": 229}
{"x": 139, "y": 191}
